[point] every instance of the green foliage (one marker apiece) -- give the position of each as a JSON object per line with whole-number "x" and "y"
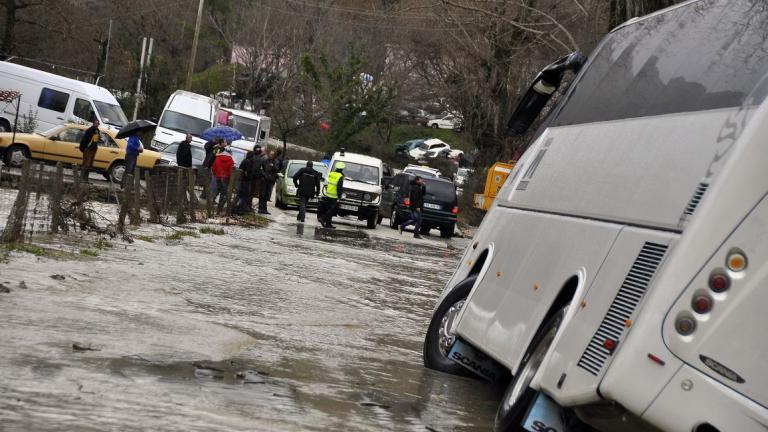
{"x": 89, "y": 253}
{"x": 28, "y": 122}
{"x": 179, "y": 235}
{"x": 145, "y": 238}
{"x": 213, "y": 80}
{"x": 211, "y": 230}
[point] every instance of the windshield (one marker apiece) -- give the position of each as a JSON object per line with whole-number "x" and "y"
{"x": 183, "y": 123}
{"x": 248, "y": 127}
{"x": 111, "y": 114}
{"x": 294, "y": 168}
{"x": 361, "y": 173}
{"x": 441, "y": 190}
{"x": 423, "y": 173}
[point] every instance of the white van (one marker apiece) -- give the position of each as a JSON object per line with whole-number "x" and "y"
{"x": 620, "y": 276}
{"x": 362, "y": 186}
{"x": 254, "y": 127}
{"x": 56, "y": 100}
{"x": 184, "y": 113}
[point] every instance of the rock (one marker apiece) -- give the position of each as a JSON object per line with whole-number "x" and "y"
{"x": 23, "y": 285}
{"x": 58, "y": 277}
{"x": 77, "y": 346}
{"x": 373, "y": 404}
{"x": 4, "y": 289}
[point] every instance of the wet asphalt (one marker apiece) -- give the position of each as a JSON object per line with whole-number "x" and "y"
{"x": 286, "y": 328}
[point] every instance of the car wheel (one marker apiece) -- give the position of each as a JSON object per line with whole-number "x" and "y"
{"x": 379, "y": 218}
{"x": 447, "y": 231}
{"x": 116, "y": 172}
{"x": 519, "y": 396}
{"x": 16, "y": 155}
{"x": 394, "y": 221}
{"x": 440, "y": 337}
{"x": 5, "y": 126}
{"x": 371, "y": 221}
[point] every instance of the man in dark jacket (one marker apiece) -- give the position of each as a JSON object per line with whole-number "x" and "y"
{"x": 89, "y": 144}
{"x": 416, "y": 198}
{"x": 256, "y": 181}
{"x": 248, "y": 168}
{"x": 269, "y": 169}
{"x": 307, "y": 182}
{"x": 184, "y": 152}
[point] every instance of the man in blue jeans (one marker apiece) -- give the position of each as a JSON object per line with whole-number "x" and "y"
{"x": 416, "y": 205}
{"x": 132, "y": 151}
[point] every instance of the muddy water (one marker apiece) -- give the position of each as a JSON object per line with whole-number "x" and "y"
{"x": 284, "y": 328}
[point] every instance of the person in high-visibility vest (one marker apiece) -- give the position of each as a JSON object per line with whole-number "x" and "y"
{"x": 331, "y": 194}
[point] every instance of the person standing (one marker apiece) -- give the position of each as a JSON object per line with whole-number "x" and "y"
{"x": 222, "y": 169}
{"x": 247, "y": 170}
{"x": 256, "y": 181}
{"x": 331, "y": 194}
{"x": 184, "y": 152}
{"x": 89, "y": 144}
{"x": 269, "y": 169}
{"x": 416, "y": 197}
{"x": 212, "y": 148}
{"x": 307, "y": 182}
{"x": 132, "y": 151}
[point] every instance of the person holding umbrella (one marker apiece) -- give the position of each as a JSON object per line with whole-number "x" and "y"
{"x": 134, "y": 147}
{"x": 222, "y": 169}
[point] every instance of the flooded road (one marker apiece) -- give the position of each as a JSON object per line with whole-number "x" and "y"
{"x": 289, "y": 327}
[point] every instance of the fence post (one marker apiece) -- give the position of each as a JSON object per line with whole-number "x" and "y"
{"x": 154, "y": 216}
{"x": 230, "y": 189}
{"x": 193, "y": 204}
{"x": 136, "y": 207}
{"x": 207, "y": 192}
{"x": 76, "y": 181}
{"x": 14, "y": 227}
{"x": 55, "y": 198}
{"x": 181, "y": 188}
{"x": 125, "y": 206}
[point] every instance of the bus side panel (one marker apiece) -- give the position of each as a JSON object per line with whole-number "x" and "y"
{"x": 581, "y": 380}
{"x": 534, "y": 256}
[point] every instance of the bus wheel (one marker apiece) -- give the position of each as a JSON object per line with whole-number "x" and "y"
{"x": 440, "y": 338}
{"x": 519, "y": 396}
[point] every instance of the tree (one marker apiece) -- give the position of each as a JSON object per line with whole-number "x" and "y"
{"x": 12, "y": 10}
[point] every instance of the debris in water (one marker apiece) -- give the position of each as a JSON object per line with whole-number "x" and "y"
{"x": 206, "y": 367}
{"x": 58, "y": 277}
{"x": 77, "y": 346}
{"x": 4, "y": 289}
{"x": 23, "y": 285}
{"x": 374, "y": 404}
{"x": 431, "y": 429}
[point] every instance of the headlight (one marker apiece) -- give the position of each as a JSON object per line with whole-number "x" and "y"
{"x": 291, "y": 190}
{"x": 370, "y": 197}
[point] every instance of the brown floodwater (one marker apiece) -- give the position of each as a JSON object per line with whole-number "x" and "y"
{"x": 285, "y": 328}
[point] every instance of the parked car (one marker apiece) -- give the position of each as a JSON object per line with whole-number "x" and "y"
{"x": 446, "y": 122}
{"x": 429, "y": 149}
{"x": 57, "y": 99}
{"x": 462, "y": 175}
{"x": 449, "y": 153}
{"x": 422, "y": 171}
{"x": 184, "y": 113}
{"x": 169, "y": 154}
{"x": 406, "y": 147}
{"x": 440, "y": 203}
{"x": 285, "y": 191}
{"x": 62, "y": 144}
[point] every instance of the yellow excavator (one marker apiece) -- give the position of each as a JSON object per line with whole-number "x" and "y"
{"x": 497, "y": 175}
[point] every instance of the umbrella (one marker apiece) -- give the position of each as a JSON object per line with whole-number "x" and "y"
{"x": 134, "y": 127}
{"x": 225, "y": 132}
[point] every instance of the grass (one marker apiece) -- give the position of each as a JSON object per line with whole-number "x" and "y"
{"x": 6, "y": 249}
{"x": 102, "y": 244}
{"x": 255, "y": 220}
{"x": 89, "y": 253}
{"x": 145, "y": 238}
{"x": 179, "y": 235}
{"x": 211, "y": 230}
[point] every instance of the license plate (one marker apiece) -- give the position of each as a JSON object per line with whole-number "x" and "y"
{"x": 545, "y": 416}
{"x": 348, "y": 207}
{"x": 432, "y": 206}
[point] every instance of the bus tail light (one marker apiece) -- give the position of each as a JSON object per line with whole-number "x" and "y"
{"x": 702, "y": 303}
{"x": 685, "y": 324}
{"x": 736, "y": 261}
{"x": 719, "y": 282}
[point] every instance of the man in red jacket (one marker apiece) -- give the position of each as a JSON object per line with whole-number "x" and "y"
{"x": 222, "y": 169}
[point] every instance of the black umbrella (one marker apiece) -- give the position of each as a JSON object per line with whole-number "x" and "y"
{"x": 135, "y": 127}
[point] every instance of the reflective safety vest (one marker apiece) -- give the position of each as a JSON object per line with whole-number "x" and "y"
{"x": 332, "y": 188}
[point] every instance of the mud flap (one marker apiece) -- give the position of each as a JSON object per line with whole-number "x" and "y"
{"x": 474, "y": 360}
{"x": 544, "y": 416}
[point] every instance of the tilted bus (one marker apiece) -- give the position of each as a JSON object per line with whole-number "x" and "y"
{"x": 620, "y": 277}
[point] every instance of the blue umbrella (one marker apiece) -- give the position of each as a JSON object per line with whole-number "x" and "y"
{"x": 225, "y": 132}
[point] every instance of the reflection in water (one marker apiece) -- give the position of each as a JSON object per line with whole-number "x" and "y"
{"x": 258, "y": 330}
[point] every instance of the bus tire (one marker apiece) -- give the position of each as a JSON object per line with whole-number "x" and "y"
{"x": 519, "y": 395}
{"x": 437, "y": 341}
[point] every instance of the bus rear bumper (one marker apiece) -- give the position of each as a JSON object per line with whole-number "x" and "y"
{"x": 692, "y": 400}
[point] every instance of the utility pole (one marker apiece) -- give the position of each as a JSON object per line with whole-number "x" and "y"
{"x": 138, "y": 83}
{"x": 194, "y": 45}
{"x": 109, "y": 41}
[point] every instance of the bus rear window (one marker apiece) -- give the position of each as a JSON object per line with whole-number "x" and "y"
{"x": 679, "y": 61}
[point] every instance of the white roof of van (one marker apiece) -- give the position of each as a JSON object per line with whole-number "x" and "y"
{"x": 195, "y": 96}
{"x": 357, "y": 158}
{"x": 91, "y": 90}
{"x": 243, "y": 113}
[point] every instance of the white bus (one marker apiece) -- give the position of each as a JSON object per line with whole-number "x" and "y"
{"x": 620, "y": 277}
{"x": 55, "y": 99}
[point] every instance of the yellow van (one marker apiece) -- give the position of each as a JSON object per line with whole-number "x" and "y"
{"x": 61, "y": 144}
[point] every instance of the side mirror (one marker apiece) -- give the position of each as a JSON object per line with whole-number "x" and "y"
{"x": 541, "y": 90}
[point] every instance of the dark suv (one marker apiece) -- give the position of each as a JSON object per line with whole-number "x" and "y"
{"x": 440, "y": 203}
